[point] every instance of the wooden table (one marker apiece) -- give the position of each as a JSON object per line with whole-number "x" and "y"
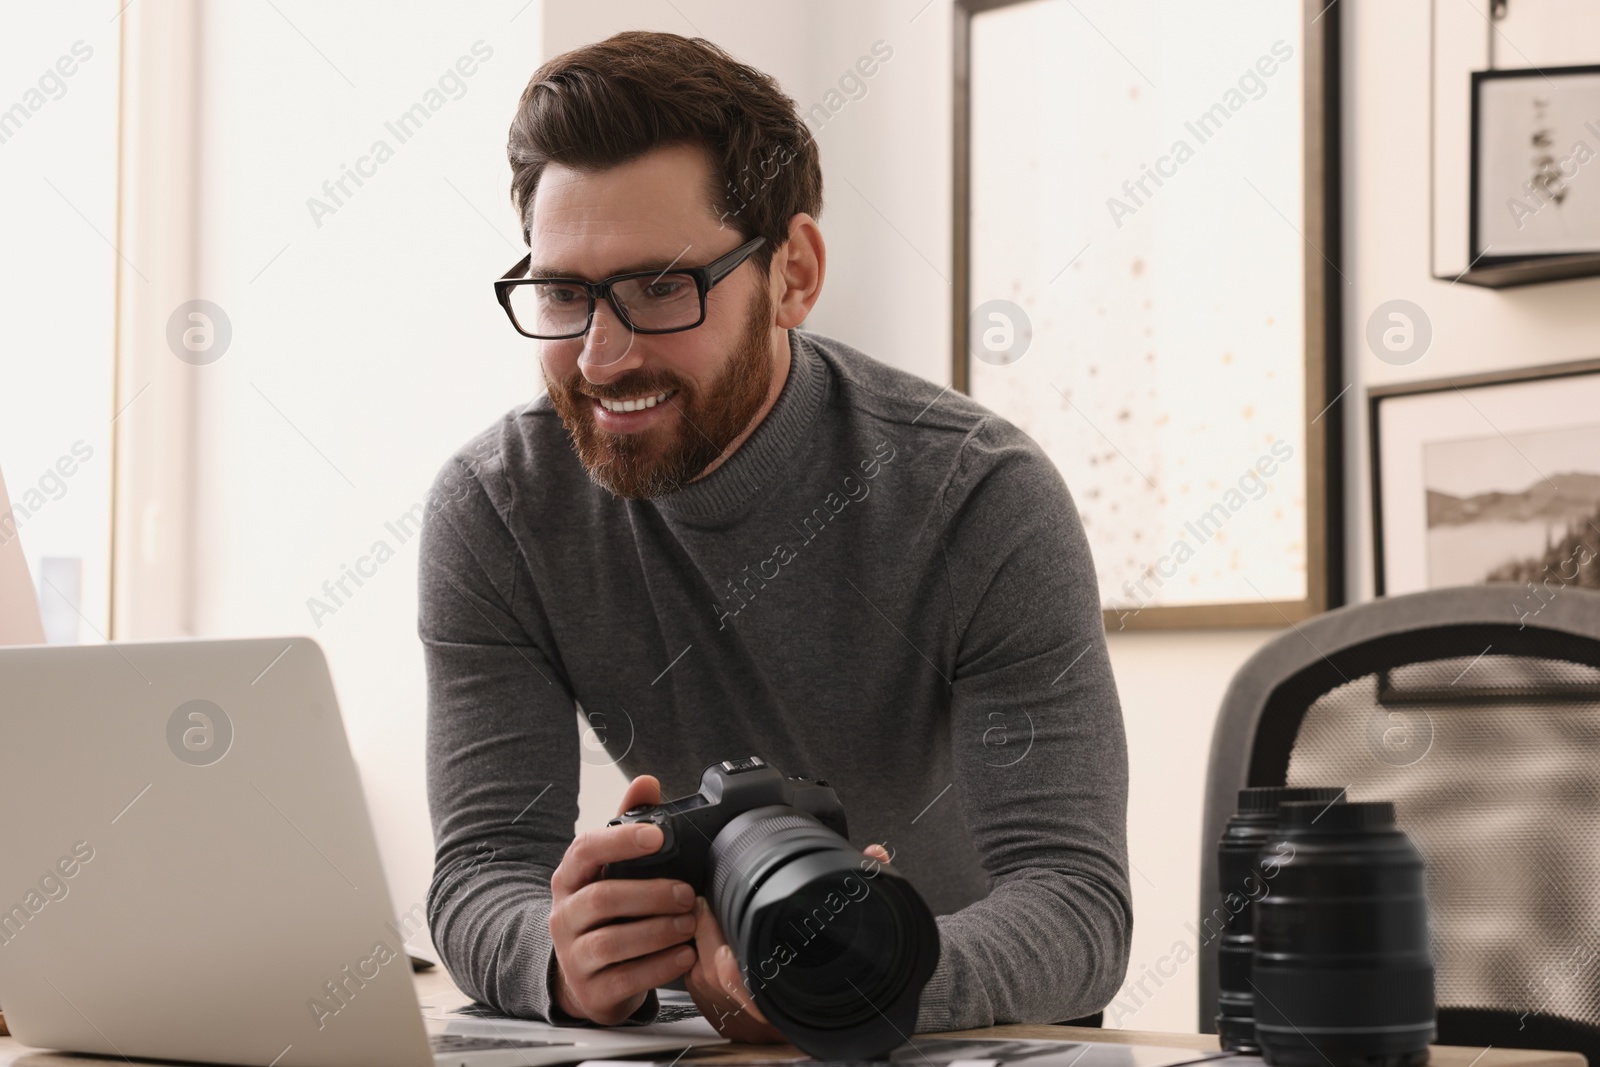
{"x": 435, "y": 990}
{"x": 434, "y": 987}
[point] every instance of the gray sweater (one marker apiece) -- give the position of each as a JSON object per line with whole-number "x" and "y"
{"x": 886, "y": 586}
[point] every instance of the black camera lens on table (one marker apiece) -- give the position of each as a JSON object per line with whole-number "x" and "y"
{"x": 836, "y": 949}
{"x": 1244, "y": 877}
{"x": 1342, "y": 969}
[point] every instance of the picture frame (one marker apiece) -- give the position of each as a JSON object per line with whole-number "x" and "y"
{"x": 1199, "y": 429}
{"x": 1535, "y": 137}
{"x": 1485, "y": 477}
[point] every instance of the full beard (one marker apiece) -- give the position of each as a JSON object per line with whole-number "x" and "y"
{"x": 667, "y": 456}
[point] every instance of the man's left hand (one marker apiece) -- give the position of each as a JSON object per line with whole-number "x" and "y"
{"x": 717, "y": 986}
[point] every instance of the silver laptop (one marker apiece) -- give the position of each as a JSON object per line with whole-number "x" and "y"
{"x": 188, "y": 871}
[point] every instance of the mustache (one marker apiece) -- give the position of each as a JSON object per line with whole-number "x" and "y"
{"x": 623, "y": 390}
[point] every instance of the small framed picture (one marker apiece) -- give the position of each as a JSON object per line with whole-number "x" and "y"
{"x": 1535, "y": 164}
{"x": 1488, "y": 478}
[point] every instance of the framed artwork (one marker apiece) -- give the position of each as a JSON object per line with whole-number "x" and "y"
{"x": 1487, "y": 478}
{"x": 1146, "y": 282}
{"x": 1534, "y": 133}
{"x": 1510, "y": 99}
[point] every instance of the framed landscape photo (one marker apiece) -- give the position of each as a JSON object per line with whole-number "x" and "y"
{"x": 1487, "y": 478}
{"x": 1146, "y": 282}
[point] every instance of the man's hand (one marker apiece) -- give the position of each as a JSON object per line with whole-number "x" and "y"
{"x": 717, "y": 986}
{"x": 617, "y": 938}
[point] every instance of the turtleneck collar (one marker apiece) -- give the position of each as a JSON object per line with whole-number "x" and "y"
{"x": 724, "y": 493}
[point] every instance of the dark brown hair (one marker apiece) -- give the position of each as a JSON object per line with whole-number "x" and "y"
{"x": 608, "y": 103}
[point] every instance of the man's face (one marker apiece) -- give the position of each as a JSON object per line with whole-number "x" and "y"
{"x": 643, "y": 215}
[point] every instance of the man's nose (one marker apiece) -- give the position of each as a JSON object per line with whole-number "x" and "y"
{"x": 608, "y": 348}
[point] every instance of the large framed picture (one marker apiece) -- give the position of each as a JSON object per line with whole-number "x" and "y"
{"x": 1535, "y": 153}
{"x": 1146, "y": 282}
{"x": 1487, "y": 478}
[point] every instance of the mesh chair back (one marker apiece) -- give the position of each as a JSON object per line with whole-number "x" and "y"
{"x": 1481, "y": 722}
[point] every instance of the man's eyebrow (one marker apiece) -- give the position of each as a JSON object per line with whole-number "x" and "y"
{"x": 557, "y": 272}
{"x": 655, "y": 263}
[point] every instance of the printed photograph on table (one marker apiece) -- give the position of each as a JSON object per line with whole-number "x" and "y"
{"x": 1144, "y": 287}
{"x": 1493, "y": 478}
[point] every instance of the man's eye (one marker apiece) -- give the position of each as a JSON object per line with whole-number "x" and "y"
{"x": 662, "y": 290}
{"x": 560, "y": 294}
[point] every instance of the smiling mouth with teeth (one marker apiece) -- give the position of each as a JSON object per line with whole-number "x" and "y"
{"x": 635, "y": 405}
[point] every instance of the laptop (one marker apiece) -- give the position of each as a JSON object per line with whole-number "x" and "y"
{"x": 188, "y": 872}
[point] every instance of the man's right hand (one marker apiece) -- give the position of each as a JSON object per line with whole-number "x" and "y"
{"x": 617, "y": 938}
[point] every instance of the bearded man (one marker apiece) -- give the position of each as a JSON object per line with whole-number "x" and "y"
{"x": 719, "y": 534}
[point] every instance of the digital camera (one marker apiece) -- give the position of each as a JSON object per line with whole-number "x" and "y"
{"x": 834, "y": 946}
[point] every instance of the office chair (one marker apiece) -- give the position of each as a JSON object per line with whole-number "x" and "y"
{"x": 1477, "y": 711}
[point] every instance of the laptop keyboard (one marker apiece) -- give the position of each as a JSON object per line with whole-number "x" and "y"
{"x": 464, "y": 1043}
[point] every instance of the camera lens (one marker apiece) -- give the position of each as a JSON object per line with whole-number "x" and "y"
{"x": 1240, "y": 882}
{"x": 860, "y": 938}
{"x": 1342, "y": 969}
{"x": 835, "y": 954}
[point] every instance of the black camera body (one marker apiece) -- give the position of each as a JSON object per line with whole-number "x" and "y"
{"x": 835, "y": 946}
{"x": 727, "y": 789}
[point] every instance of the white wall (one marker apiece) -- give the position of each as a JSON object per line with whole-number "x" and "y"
{"x": 367, "y": 343}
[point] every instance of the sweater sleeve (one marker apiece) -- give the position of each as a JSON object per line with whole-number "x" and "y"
{"x": 1039, "y": 750}
{"x": 502, "y": 754}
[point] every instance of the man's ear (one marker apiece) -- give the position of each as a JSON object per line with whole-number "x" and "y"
{"x": 798, "y": 267}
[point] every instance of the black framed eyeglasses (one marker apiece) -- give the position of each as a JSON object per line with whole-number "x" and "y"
{"x": 647, "y": 301}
